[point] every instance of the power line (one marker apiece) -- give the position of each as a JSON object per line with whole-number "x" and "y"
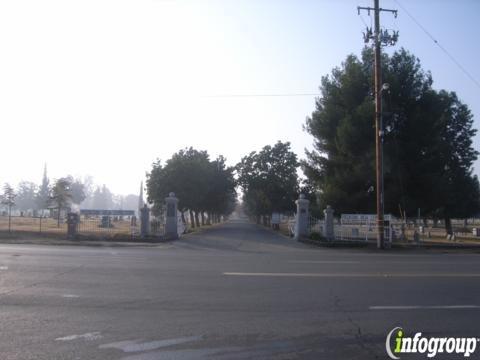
{"x": 470, "y": 76}
{"x": 260, "y": 95}
{"x": 363, "y": 20}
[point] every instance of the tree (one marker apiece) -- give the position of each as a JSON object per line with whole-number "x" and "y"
{"x": 269, "y": 179}
{"x": 8, "y": 199}
{"x": 200, "y": 184}
{"x": 185, "y": 174}
{"x": 221, "y": 194}
{"x": 130, "y": 202}
{"x": 308, "y": 189}
{"x": 428, "y": 150}
{"x": 77, "y": 189}
{"x": 102, "y": 198}
{"x": 26, "y": 196}
{"x": 61, "y": 196}
{"x": 88, "y": 190}
{"x": 43, "y": 194}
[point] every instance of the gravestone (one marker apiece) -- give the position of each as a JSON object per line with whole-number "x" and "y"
{"x": 106, "y": 222}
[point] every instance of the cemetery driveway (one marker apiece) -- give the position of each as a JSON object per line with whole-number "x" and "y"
{"x": 235, "y": 291}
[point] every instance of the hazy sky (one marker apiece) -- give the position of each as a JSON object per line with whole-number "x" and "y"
{"x": 105, "y": 87}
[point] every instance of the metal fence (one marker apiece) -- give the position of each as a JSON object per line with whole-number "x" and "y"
{"x": 32, "y": 224}
{"x": 315, "y": 225}
{"x": 108, "y": 226}
{"x": 95, "y": 227}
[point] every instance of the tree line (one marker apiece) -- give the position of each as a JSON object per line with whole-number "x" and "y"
{"x": 428, "y": 153}
{"x": 30, "y": 198}
{"x": 267, "y": 179}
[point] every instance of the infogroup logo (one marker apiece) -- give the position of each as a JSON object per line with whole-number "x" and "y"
{"x": 397, "y": 344}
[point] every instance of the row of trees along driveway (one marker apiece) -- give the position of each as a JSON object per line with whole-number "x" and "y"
{"x": 268, "y": 180}
{"x": 428, "y": 152}
{"x": 201, "y": 185}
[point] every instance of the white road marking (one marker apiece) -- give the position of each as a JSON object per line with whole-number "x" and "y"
{"x": 425, "y": 307}
{"x": 137, "y": 346}
{"x": 323, "y": 262}
{"x": 70, "y": 296}
{"x": 3, "y": 267}
{"x": 353, "y": 275}
{"x": 383, "y": 262}
{"x": 88, "y": 336}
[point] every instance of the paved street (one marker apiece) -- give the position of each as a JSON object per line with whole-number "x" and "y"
{"x": 235, "y": 291}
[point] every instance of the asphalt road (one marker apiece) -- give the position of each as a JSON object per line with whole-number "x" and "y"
{"x": 236, "y": 291}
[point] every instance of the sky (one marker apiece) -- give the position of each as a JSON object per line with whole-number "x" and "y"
{"x": 105, "y": 87}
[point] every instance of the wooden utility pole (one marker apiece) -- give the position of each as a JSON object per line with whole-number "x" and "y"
{"x": 379, "y": 37}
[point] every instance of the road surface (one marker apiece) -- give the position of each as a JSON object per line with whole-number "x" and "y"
{"x": 235, "y": 291}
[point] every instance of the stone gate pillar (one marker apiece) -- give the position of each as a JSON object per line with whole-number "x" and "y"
{"x": 328, "y": 232}
{"x": 72, "y": 225}
{"x": 171, "y": 224}
{"x": 144, "y": 221}
{"x": 301, "y": 221}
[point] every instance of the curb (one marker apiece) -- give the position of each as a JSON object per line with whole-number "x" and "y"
{"x": 440, "y": 246}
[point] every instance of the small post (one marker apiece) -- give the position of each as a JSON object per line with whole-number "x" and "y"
{"x": 301, "y": 221}
{"x": 144, "y": 221}
{"x": 171, "y": 225}
{"x": 328, "y": 231}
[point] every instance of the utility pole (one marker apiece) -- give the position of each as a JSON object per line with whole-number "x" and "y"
{"x": 379, "y": 37}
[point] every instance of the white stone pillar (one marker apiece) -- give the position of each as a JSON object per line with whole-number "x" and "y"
{"x": 171, "y": 224}
{"x": 301, "y": 221}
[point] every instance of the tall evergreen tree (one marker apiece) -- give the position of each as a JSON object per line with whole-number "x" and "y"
{"x": 428, "y": 151}
{"x": 43, "y": 195}
{"x": 61, "y": 196}
{"x": 26, "y": 196}
{"x": 8, "y": 199}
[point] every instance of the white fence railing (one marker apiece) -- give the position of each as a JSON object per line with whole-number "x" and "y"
{"x": 362, "y": 231}
{"x": 315, "y": 225}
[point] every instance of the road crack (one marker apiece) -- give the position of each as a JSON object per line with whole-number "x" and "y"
{"x": 359, "y": 335}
